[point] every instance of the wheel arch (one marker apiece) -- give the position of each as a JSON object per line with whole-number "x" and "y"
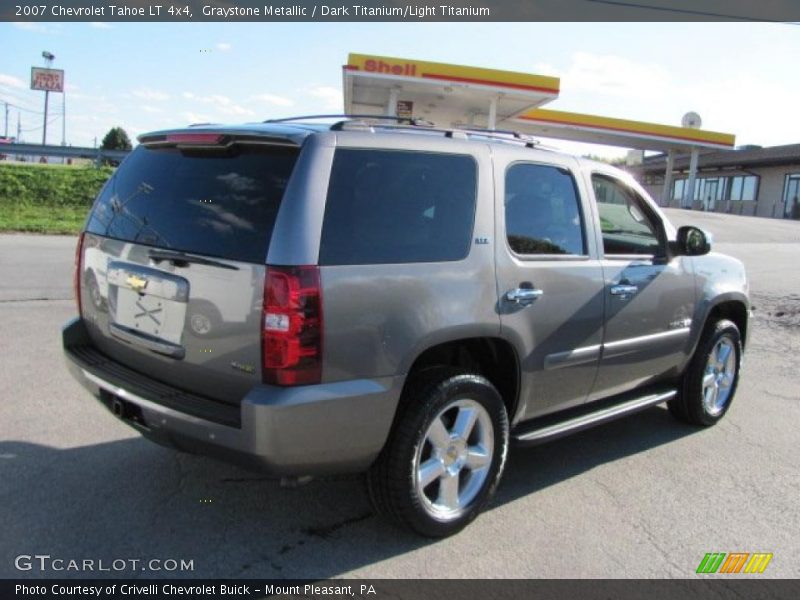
{"x": 732, "y": 306}
{"x": 490, "y": 356}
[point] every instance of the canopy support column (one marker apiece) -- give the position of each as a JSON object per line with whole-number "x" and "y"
{"x": 492, "y": 124}
{"x": 391, "y": 107}
{"x": 666, "y": 194}
{"x": 688, "y": 193}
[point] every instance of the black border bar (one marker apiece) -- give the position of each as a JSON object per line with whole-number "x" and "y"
{"x": 700, "y": 587}
{"x": 781, "y": 11}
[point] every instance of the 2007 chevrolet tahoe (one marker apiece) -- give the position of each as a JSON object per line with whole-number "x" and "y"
{"x": 401, "y": 300}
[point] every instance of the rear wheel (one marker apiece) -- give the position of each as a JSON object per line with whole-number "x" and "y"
{"x": 710, "y": 381}
{"x": 446, "y": 454}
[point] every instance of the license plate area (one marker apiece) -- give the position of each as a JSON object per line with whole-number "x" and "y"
{"x": 147, "y": 306}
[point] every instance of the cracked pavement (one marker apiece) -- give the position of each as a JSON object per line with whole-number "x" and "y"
{"x": 639, "y": 497}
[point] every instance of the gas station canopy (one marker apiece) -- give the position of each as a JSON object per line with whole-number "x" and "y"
{"x": 460, "y": 96}
{"x": 447, "y": 95}
{"x": 617, "y": 132}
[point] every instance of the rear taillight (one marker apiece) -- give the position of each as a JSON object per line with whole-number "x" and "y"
{"x": 291, "y": 331}
{"x": 76, "y": 276}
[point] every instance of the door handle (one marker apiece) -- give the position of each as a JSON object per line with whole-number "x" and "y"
{"x": 523, "y": 295}
{"x": 624, "y": 290}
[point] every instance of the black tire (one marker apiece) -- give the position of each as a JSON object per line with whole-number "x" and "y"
{"x": 694, "y": 404}
{"x": 441, "y": 394}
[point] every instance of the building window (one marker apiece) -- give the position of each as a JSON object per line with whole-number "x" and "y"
{"x": 677, "y": 189}
{"x": 791, "y": 196}
{"x": 743, "y": 188}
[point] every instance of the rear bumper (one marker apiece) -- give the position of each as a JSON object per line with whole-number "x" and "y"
{"x": 306, "y": 430}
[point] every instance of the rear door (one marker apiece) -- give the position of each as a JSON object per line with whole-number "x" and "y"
{"x": 173, "y": 262}
{"x": 550, "y": 280}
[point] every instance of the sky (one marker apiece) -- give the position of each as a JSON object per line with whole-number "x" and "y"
{"x": 740, "y": 77}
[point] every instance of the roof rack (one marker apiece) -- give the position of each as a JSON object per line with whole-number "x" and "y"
{"x": 345, "y": 117}
{"x": 450, "y": 132}
{"x": 359, "y": 121}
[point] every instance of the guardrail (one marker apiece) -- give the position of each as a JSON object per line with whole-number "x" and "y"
{"x": 96, "y": 154}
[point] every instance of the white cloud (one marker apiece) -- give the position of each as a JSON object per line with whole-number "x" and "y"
{"x": 100, "y": 25}
{"x": 614, "y": 75}
{"x": 193, "y": 117}
{"x": 149, "y": 94}
{"x": 224, "y": 46}
{"x": 222, "y": 104}
{"x": 150, "y": 109}
{"x": 273, "y": 100}
{"x": 34, "y": 27}
{"x": 11, "y": 81}
{"x": 547, "y": 69}
{"x": 331, "y": 98}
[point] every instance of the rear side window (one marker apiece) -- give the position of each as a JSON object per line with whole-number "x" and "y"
{"x": 215, "y": 204}
{"x": 387, "y": 206}
{"x": 542, "y": 211}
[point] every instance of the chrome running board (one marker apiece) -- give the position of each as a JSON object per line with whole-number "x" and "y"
{"x": 608, "y": 413}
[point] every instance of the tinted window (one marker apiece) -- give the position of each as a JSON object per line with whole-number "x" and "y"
{"x": 542, "y": 212}
{"x": 397, "y": 207}
{"x": 212, "y": 204}
{"x": 627, "y": 227}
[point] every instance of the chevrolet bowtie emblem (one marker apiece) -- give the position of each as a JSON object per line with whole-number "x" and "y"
{"x": 136, "y": 283}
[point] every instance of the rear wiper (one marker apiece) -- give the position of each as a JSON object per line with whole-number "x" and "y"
{"x": 179, "y": 259}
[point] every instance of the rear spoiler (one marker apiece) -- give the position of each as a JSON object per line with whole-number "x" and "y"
{"x": 211, "y": 140}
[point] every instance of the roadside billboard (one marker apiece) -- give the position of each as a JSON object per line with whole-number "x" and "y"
{"x": 47, "y": 80}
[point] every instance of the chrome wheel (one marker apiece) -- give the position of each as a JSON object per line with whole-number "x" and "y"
{"x": 719, "y": 375}
{"x": 454, "y": 459}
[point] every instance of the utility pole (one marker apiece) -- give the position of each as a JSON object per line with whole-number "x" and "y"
{"x": 6, "y": 133}
{"x": 19, "y": 130}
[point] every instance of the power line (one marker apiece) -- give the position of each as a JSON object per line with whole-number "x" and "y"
{"x": 18, "y": 107}
{"x": 687, "y": 11}
{"x": 56, "y": 118}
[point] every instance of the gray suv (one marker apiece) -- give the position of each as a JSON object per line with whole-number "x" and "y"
{"x": 396, "y": 299}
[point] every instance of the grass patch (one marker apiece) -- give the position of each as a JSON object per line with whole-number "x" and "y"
{"x": 48, "y": 198}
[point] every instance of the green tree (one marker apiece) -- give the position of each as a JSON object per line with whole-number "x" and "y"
{"x": 116, "y": 139}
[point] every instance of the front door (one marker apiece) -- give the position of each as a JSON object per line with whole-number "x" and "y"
{"x": 649, "y": 300}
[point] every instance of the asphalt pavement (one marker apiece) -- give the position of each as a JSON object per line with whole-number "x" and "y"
{"x": 640, "y": 497}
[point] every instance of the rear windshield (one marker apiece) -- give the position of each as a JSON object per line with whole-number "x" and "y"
{"x": 389, "y": 206}
{"x": 214, "y": 204}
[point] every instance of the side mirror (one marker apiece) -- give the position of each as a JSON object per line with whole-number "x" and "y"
{"x": 693, "y": 241}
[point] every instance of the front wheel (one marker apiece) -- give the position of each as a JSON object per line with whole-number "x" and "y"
{"x": 446, "y": 454}
{"x": 710, "y": 381}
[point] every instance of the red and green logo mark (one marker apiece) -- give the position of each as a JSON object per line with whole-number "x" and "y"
{"x": 734, "y": 562}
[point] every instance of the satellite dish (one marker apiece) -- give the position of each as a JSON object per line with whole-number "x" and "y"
{"x": 691, "y": 120}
